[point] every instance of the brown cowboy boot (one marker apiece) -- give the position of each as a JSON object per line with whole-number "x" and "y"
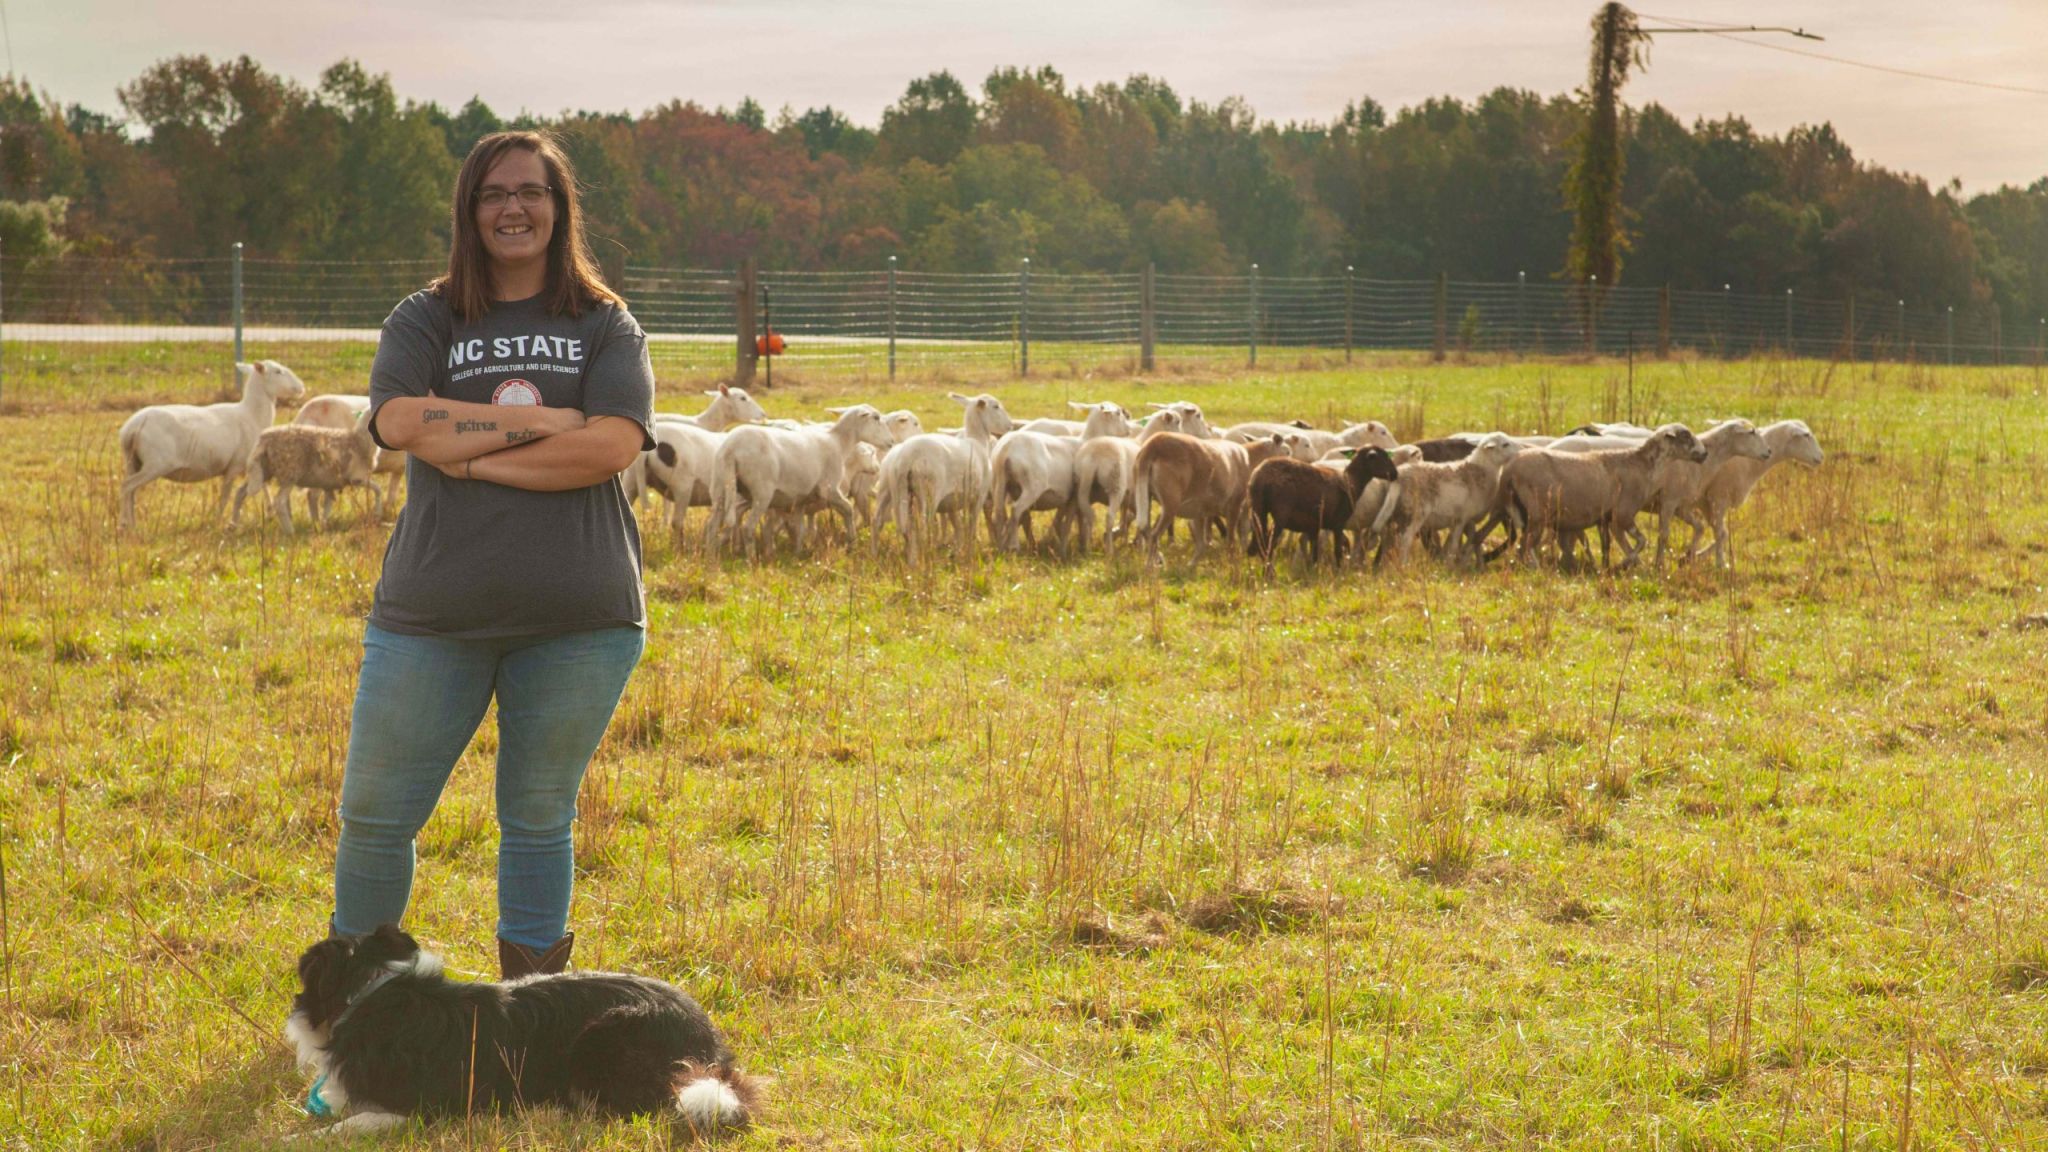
{"x": 518, "y": 960}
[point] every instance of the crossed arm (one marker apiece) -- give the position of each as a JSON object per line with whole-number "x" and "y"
{"x": 531, "y": 447}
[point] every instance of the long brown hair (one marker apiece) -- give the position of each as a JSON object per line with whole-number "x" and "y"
{"x": 574, "y": 281}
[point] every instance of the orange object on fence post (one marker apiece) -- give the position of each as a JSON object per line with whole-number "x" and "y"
{"x": 770, "y": 345}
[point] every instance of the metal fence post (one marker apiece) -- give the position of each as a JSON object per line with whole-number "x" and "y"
{"x": 892, "y": 318}
{"x": 1592, "y": 315}
{"x": 1791, "y": 346}
{"x": 1443, "y": 319}
{"x": 3, "y": 337}
{"x": 237, "y": 305}
{"x": 1024, "y": 317}
{"x": 1521, "y": 312}
{"x": 1664, "y": 322}
{"x": 746, "y": 353}
{"x": 1727, "y": 329}
{"x": 1997, "y": 337}
{"x": 1252, "y": 315}
{"x": 1147, "y": 319}
{"x": 1901, "y": 330}
{"x": 1849, "y": 331}
{"x": 1350, "y": 296}
{"x": 1951, "y": 334}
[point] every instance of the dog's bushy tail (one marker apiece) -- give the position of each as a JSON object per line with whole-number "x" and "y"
{"x": 716, "y": 1099}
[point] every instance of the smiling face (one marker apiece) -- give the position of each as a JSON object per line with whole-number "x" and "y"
{"x": 515, "y": 235}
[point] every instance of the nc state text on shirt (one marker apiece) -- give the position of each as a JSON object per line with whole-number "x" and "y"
{"x": 470, "y": 351}
{"x": 500, "y": 369}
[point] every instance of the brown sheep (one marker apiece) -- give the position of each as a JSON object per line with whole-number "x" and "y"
{"x": 1548, "y": 492}
{"x": 1446, "y": 449}
{"x": 1289, "y": 496}
{"x": 311, "y": 457}
{"x": 1197, "y": 480}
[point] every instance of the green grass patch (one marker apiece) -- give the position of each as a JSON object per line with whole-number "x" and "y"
{"x": 1005, "y": 852}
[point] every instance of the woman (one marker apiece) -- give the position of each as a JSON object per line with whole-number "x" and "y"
{"x": 521, "y": 388}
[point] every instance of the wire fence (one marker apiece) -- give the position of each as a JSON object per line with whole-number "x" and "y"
{"x": 110, "y": 329}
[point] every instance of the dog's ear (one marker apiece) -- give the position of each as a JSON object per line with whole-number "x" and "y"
{"x": 389, "y": 943}
{"x": 323, "y": 979}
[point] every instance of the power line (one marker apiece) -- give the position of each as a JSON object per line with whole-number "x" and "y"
{"x": 1695, "y": 26}
{"x": 8, "y": 34}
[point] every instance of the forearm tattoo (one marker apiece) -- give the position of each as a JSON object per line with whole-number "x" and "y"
{"x": 476, "y": 425}
{"x": 520, "y": 435}
{"x": 433, "y": 414}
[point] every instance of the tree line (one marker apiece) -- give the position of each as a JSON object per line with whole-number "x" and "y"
{"x": 1112, "y": 177}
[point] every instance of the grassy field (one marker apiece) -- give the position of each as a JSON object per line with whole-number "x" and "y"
{"x": 1014, "y": 853}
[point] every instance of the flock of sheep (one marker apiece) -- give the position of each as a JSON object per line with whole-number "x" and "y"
{"x": 760, "y": 477}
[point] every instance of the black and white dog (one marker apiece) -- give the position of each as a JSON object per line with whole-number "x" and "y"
{"x": 387, "y": 1037}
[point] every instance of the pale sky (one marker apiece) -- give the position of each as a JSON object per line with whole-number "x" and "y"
{"x": 1290, "y": 59}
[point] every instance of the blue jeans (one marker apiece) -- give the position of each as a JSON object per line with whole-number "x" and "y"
{"x": 418, "y": 702}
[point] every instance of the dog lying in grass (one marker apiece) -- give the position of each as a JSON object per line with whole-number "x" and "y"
{"x": 387, "y": 1038}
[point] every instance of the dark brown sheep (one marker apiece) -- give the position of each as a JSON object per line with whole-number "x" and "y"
{"x": 1290, "y": 496}
{"x": 1447, "y": 449}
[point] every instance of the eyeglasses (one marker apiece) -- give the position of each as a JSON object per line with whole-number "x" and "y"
{"x": 529, "y": 195}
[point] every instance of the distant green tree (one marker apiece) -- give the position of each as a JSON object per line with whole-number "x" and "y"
{"x": 2011, "y": 230}
{"x": 750, "y": 115}
{"x": 1217, "y": 157}
{"x": 1184, "y": 238}
{"x": 39, "y": 152}
{"x": 984, "y": 238}
{"x": 462, "y": 130}
{"x": 1592, "y": 188}
{"x": 1025, "y": 107}
{"x": 32, "y": 231}
{"x": 245, "y": 153}
{"x": 826, "y": 130}
{"x": 388, "y": 193}
{"x": 933, "y": 122}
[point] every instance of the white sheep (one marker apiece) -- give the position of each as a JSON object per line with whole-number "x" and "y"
{"x": 1034, "y": 472}
{"x": 1789, "y": 440}
{"x": 903, "y": 424}
{"x": 679, "y": 464}
{"x": 312, "y": 457}
{"x": 1548, "y": 492}
{"x": 941, "y": 474}
{"x": 1260, "y": 429}
{"x": 1370, "y": 434}
{"x": 1191, "y": 421}
{"x": 340, "y": 410}
{"x": 762, "y": 469}
{"x": 1438, "y": 496}
{"x": 191, "y": 442}
{"x": 863, "y": 473}
{"x": 1681, "y": 482}
{"x": 1103, "y": 475}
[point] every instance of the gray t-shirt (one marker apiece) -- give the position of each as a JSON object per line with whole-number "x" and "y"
{"x": 473, "y": 559}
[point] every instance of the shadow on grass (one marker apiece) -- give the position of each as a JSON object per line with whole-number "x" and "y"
{"x": 235, "y": 1110}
